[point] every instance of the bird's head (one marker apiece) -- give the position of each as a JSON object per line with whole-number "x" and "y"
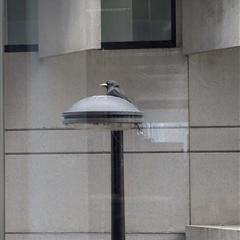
{"x": 109, "y": 84}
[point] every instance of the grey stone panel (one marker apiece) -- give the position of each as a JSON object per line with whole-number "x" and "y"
{"x": 38, "y": 91}
{"x": 210, "y": 25}
{"x": 76, "y": 141}
{"x": 71, "y": 193}
{"x": 212, "y": 232}
{"x": 214, "y": 139}
{"x": 215, "y": 188}
{"x": 68, "y": 26}
{"x": 214, "y": 88}
{"x": 89, "y": 236}
{"x": 47, "y": 193}
{"x": 157, "y": 192}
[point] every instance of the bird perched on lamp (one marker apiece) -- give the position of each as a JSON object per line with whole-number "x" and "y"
{"x": 113, "y": 89}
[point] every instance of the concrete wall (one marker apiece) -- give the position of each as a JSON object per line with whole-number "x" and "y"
{"x": 214, "y": 137}
{"x": 183, "y": 170}
{"x": 58, "y": 179}
{"x": 67, "y": 26}
{"x": 210, "y": 25}
{"x": 213, "y": 110}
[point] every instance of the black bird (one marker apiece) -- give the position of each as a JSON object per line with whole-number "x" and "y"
{"x": 113, "y": 89}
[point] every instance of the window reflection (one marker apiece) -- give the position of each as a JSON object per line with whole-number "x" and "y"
{"x": 22, "y": 22}
{"x": 136, "y": 20}
{"x": 167, "y": 133}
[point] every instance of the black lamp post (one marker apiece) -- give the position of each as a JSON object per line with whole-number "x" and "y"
{"x": 115, "y": 114}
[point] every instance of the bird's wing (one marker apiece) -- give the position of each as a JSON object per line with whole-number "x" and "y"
{"x": 117, "y": 92}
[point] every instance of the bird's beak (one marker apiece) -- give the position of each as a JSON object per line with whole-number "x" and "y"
{"x": 103, "y": 85}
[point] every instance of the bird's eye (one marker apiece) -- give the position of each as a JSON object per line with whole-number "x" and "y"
{"x": 108, "y": 82}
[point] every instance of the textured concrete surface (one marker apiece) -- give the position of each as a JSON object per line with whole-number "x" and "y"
{"x": 67, "y": 190}
{"x": 71, "y": 193}
{"x": 214, "y": 88}
{"x": 212, "y": 232}
{"x": 61, "y": 32}
{"x": 37, "y": 91}
{"x": 155, "y": 80}
{"x": 75, "y": 141}
{"x": 215, "y": 188}
{"x": 154, "y": 202}
{"x": 210, "y": 25}
{"x": 80, "y": 236}
{"x": 214, "y": 126}
{"x": 64, "y": 80}
{"x": 59, "y": 180}
{"x": 214, "y": 139}
{"x": 47, "y": 193}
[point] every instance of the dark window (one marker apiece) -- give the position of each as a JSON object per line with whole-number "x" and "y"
{"x": 125, "y": 24}
{"x": 21, "y": 28}
{"x": 138, "y": 24}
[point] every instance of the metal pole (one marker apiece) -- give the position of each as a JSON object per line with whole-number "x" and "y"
{"x": 117, "y": 186}
{"x": 2, "y": 161}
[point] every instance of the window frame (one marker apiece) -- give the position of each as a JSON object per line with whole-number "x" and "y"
{"x": 21, "y": 48}
{"x": 116, "y": 45}
{"x": 148, "y": 44}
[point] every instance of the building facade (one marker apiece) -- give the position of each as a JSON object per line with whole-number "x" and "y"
{"x": 184, "y": 169}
